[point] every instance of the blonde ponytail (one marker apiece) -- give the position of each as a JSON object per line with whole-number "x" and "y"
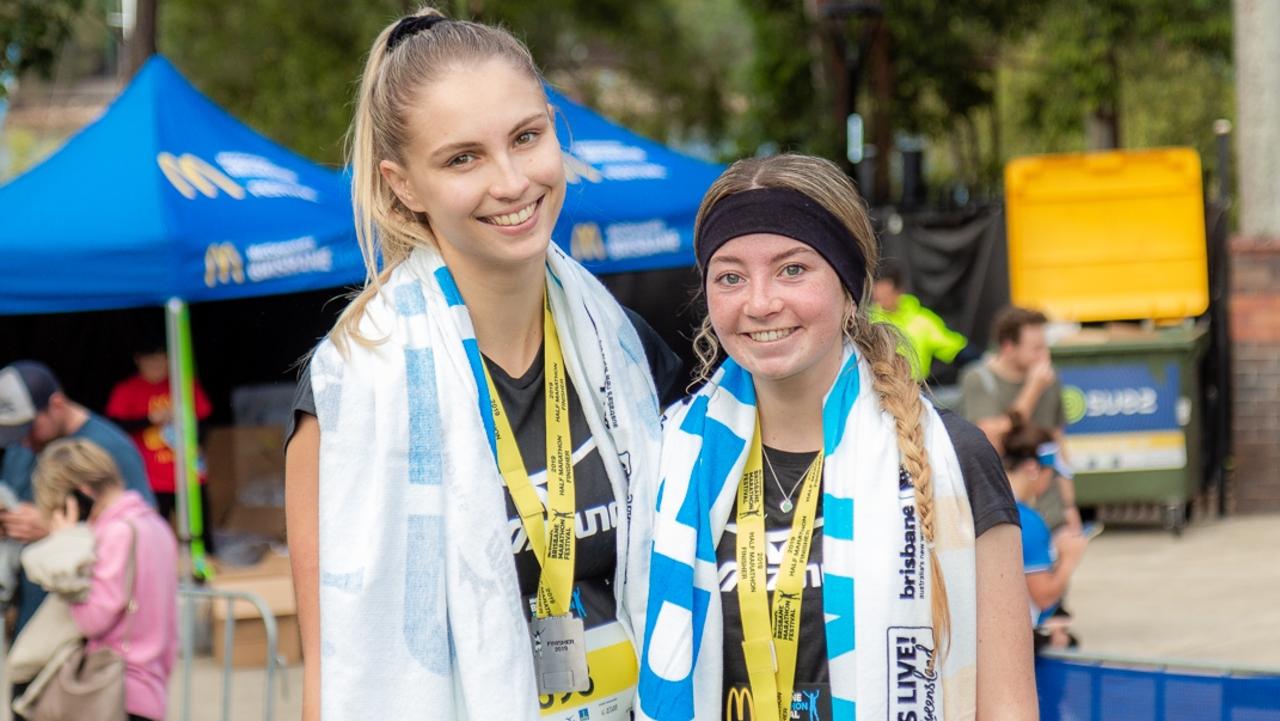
{"x": 386, "y": 229}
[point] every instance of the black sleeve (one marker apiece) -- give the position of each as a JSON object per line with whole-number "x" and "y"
{"x": 668, "y": 370}
{"x": 304, "y": 401}
{"x": 990, "y": 495}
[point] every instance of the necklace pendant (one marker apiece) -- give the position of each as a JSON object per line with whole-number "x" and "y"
{"x": 786, "y": 505}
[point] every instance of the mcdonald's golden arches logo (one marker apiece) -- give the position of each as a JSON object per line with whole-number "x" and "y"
{"x": 189, "y": 174}
{"x": 738, "y": 705}
{"x": 576, "y": 171}
{"x": 586, "y": 242}
{"x": 222, "y": 264}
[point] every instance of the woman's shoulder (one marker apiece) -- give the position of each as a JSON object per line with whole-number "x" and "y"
{"x": 965, "y": 436}
{"x": 985, "y": 481}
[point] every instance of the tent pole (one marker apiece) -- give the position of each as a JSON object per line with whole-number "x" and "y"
{"x": 172, "y": 313}
{"x": 186, "y": 481}
{"x": 174, "y": 310}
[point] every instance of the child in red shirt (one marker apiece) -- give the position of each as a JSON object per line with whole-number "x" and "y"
{"x": 142, "y": 406}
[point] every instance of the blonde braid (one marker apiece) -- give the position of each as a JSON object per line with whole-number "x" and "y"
{"x": 900, "y": 396}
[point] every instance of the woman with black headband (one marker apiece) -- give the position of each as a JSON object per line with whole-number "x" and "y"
{"x": 827, "y": 545}
{"x": 467, "y": 434}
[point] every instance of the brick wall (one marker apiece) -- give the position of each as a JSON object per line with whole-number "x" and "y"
{"x": 1255, "y": 339}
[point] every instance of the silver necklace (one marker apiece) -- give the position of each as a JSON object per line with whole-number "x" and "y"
{"x": 786, "y": 504}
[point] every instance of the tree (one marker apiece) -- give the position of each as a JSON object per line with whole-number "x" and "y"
{"x": 290, "y": 71}
{"x": 279, "y": 65}
{"x": 1085, "y": 52}
{"x": 140, "y": 42}
{"x": 32, "y": 32}
{"x": 786, "y": 107}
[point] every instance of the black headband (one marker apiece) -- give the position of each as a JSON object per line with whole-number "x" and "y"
{"x": 786, "y": 212}
{"x": 412, "y": 25}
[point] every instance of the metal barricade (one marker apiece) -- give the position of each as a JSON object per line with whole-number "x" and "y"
{"x": 187, "y": 597}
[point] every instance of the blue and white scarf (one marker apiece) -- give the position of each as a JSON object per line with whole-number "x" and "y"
{"x": 872, "y": 547}
{"x": 420, "y": 605}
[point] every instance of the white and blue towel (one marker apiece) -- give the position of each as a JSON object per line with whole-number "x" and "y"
{"x": 420, "y": 607}
{"x": 878, "y": 633}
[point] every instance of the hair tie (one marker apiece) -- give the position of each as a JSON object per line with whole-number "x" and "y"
{"x": 412, "y": 25}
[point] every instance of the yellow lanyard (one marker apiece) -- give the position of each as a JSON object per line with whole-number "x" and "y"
{"x": 770, "y": 640}
{"x": 554, "y": 548}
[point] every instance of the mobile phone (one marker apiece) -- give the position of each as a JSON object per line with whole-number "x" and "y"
{"x": 84, "y": 502}
{"x": 1091, "y": 529}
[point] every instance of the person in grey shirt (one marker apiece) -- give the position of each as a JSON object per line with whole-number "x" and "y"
{"x": 1018, "y": 383}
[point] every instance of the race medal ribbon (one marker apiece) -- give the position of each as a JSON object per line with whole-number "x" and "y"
{"x": 771, "y": 639}
{"x": 559, "y": 642}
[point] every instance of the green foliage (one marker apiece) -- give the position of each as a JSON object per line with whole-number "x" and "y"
{"x": 292, "y": 71}
{"x": 283, "y": 66}
{"x": 604, "y": 51}
{"x": 945, "y": 56}
{"x": 1089, "y": 50}
{"x": 783, "y": 106}
{"x": 32, "y": 32}
{"x": 1162, "y": 67}
{"x": 982, "y": 80}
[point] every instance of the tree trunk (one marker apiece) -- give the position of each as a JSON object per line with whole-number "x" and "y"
{"x": 996, "y": 130}
{"x": 140, "y": 42}
{"x": 882, "y": 128}
{"x": 1102, "y": 126}
{"x": 830, "y": 70}
{"x": 1257, "y": 70}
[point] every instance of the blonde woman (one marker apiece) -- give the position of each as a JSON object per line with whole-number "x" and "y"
{"x": 132, "y": 603}
{"x": 827, "y": 545}
{"x": 457, "y": 483}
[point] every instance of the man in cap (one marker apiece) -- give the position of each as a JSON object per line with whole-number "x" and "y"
{"x": 34, "y": 412}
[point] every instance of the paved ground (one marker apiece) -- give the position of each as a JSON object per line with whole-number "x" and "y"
{"x": 1212, "y": 595}
{"x": 247, "y": 694}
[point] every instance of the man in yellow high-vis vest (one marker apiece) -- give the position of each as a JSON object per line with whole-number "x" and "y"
{"x": 927, "y": 333}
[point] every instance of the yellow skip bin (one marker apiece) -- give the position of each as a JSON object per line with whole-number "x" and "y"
{"x": 1116, "y": 235}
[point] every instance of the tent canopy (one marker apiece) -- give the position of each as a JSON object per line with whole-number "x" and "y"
{"x": 166, "y": 195}
{"x": 631, "y": 202}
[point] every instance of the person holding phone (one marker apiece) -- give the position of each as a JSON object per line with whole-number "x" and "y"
{"x": 75, "y": 480}
{"x": 35, "y": 412}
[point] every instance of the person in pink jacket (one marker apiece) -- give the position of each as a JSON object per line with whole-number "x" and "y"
{"x": 77, "y": 480}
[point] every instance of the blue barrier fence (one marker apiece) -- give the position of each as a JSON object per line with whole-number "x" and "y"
{"x": 1101, "y": 689}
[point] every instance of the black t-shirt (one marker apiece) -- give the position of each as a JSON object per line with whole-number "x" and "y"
{"x": 990, "y": 498}
{"x": 524, "y": 401}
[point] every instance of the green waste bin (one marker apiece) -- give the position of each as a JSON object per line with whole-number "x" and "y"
{"x": 1133, "y": 407}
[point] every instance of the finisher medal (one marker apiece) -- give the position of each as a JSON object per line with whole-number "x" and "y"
{"x": 559, "y": 654}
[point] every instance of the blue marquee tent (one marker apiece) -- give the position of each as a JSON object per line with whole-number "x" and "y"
{"x": 631, "y": 202}
{"x": 166, "y": 195}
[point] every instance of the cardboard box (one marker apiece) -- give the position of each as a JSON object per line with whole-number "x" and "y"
{"x": 271, "y": 564}
{"x": 246, "y": 479}
{"x": 249, "y": 633}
